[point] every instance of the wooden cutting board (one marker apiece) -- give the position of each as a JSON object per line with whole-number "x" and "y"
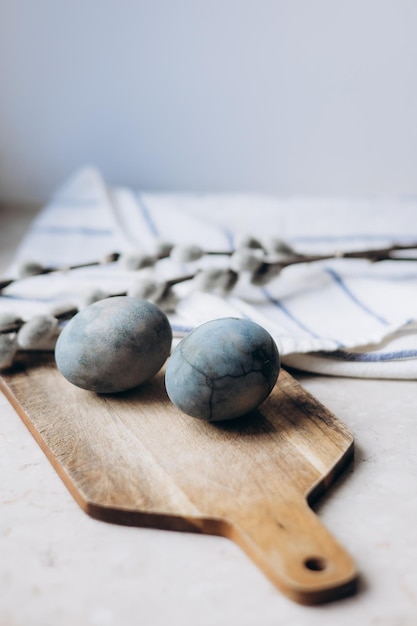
{"x": 135, "y": 459}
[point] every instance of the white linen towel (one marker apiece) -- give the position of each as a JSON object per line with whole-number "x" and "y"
{"x": 336, "y": 317}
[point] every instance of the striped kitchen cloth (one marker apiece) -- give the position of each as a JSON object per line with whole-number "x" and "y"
{"x": 343, "y": 317}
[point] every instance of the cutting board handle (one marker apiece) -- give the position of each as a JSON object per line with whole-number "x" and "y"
{"x": 296, "y": 552}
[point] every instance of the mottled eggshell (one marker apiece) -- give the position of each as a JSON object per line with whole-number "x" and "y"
{"x": 114, "y": 344}
{"x": 222, "y": 369}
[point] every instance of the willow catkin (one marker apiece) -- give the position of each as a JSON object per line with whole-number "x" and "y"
{"x": 90, "y": 296}
{"x": 36, "y": 331}
{"x": 246, "y": 260}
{"x": 8, "y": 318}
{"x": 186, "y": 253}
{"x": 30, "y": 268}
{"x": 8, "y": 349}
{"x": 133, "y": 261}
{"x": 147, "y": 288}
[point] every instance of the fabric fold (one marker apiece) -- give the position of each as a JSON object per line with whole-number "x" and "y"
{"x": 344, "y": 317}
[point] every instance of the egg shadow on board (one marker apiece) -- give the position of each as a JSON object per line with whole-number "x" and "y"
{"x": 151, "y": 391}
{"x": 30, "y": 360}
{"x": 252, "y": 424}
{"x": 265, "y": 420}
{"x": 279, "y": 410}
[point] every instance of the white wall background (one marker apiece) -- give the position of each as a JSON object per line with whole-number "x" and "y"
{"x": 281, "y": 96}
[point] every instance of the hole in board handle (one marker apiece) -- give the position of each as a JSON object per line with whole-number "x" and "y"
{"x": 315, "y": 563}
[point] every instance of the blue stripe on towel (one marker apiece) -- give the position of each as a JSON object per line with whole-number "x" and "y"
{"x": 76, "y": 230}
{"x": 147, "y": 215}
{"x": 181, "y": 329}
{"x": 369, "y": 357}
{"x": 392, "y": 278}
{"x": 229, "y": 236}
{"x": 72, "y": 203}
{"x": 27, "y": 299}
{"x": 405, "y": 238}
{"x": 290, "y": 315}
{"x": 338, "y": 280}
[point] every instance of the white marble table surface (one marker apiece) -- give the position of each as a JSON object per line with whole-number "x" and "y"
{"x": 60, "y": 567}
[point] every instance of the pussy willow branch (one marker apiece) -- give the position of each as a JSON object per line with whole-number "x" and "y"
{"x": 62, "y": 316}
{"x": 374, "y": 255}
{"x": 110, "y": 258}
{"x": 67, "y": 314}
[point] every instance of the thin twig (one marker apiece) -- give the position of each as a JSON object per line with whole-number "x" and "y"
{"x": 110, "y": 258}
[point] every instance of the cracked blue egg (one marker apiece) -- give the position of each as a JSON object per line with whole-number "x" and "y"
{"x": 114, "y": 344}
{"x": 223, "y": 369}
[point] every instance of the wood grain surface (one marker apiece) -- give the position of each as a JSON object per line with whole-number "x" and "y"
{"x": 133, "y": 458}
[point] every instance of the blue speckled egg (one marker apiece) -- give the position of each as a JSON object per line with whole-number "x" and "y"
{"x": 222, "y": 369}
{"x": 114, "y": 344}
